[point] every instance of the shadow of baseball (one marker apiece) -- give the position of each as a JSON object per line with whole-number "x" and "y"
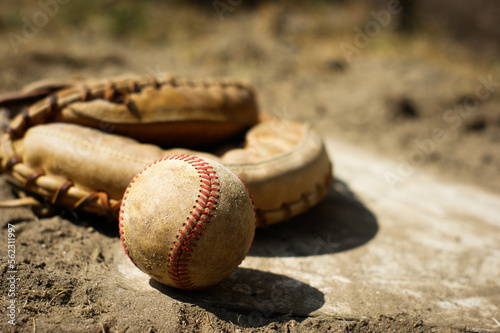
{"x": 252, "y": 298}
{"x": 339, "y": 223}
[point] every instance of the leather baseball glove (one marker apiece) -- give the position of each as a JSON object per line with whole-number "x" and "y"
{"x": 80, "y": 146}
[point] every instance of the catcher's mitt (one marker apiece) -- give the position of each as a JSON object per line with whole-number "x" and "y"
{"x": 283, "y": 163}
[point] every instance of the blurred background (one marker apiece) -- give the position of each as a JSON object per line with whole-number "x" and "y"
{"x": 416, "y": 81}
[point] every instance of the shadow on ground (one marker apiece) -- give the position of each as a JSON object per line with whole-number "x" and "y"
{"x": 339, "y": 223}
{"x": 252, "y": 298}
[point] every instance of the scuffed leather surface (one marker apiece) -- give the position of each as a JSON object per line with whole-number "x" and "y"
{"x": 283, "y": 163}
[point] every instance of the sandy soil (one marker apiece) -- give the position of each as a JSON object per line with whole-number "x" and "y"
{"x": 423, "y": 99}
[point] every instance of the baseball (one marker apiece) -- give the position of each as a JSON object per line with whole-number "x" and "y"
{"x": 187, "y": 222}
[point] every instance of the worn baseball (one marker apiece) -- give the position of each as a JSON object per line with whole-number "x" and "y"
{"x": 187, "y": 222}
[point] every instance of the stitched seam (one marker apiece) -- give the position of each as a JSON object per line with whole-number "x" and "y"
{"x": 123, "y": 203}
{"x": 196, "y": 221}
{"x": 122, "y": 207}
{"x": 320, "y": 189}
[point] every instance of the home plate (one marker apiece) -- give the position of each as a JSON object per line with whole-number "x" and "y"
{"x": 423, "y": 246}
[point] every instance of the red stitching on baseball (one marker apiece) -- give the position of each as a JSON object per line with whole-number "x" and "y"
{"x": 196, "y": 220}
{"x": 121, "y": 212}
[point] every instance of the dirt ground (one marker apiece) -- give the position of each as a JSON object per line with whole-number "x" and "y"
{"x": 418, "y": 94}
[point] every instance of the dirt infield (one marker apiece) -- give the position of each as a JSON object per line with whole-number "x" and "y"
{"x": 407, "y": 240}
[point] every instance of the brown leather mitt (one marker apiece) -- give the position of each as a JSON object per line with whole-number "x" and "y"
{"x": 167, "y": 111}
{"x": 75, "y": 164}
